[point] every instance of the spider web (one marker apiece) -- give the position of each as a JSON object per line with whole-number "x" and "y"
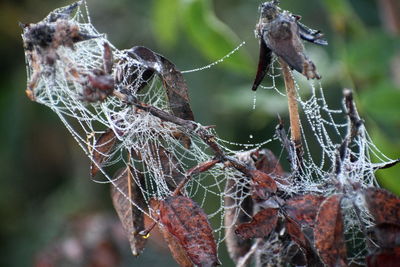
{"x": 140, "y": 131}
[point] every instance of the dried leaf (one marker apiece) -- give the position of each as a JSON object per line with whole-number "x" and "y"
{"x": 170, "y": 166}
{"x": 267, "y": 162}
{"x": 101, "y": 150}
{"x": 234, "y": 214}
{"x": 387, "y": 258}
{"x": 328, "y": 232}
{"x": 303, "y": 237}
{"x": 297, "y": 235}
{"x": 173, "y": 81}
{"x": 188, "y": 223}
{"x": 177, "y": 90}
{"x": 131, "y": 216}
{"x": 383, "y": 205}
{"x": 260, "y": 225}
{"x": 177, "y": 250}
{"x": 262, "y": 185}
{"x": 387, "y": 235}
{"x": 304, "y": 209}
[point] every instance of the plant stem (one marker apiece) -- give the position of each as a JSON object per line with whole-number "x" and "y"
{"x": 295, "y": 130}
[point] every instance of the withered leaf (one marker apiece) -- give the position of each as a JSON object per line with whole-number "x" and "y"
{"x": 177, "y": 250}
{"x": 173, "y": 81}
{"x": 260, "y": 225}
{"x": 383, "y": 205}
{"x": 177, "y": 90}
{"x": 131, "y": 216}
{"x": 386, "y": 258}
{"x": 304, "y": 209}
{"x": 237, "y": 247}
{"x": 101, "y": 150}
{"x": 328, "y": 232}
{"x": 304, "y": 239}
{"x": 297, "y": 235}
{"x": 267, "y": 162}
{"x": 387, "y": 235}
{"x": 187, "y": 222}
{"x": 170, "y": 166}
{"x": 262, "y": 185}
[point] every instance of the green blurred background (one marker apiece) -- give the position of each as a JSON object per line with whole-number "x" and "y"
{"x": 45, "y": 184}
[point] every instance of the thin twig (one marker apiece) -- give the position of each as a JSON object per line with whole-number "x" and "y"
{"x": 293, "y": 112}
{"x": 355, "y": 121}
{"x": 190, "y": 126}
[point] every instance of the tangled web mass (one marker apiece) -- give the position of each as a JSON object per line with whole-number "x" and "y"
{"x": 129, "y": 109}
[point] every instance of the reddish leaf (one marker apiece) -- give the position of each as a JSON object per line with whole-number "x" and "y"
{"x": 328, "y": 232}
{"x": 383, "y": 205}
{"x": 267, "y": 162}
{"x": 387, "y": 235}
{"x": 260, "y": 225}
{"x": 303, "y": 209}
{"x": 295, "y": 232}
{"x": 177, "y": 250}
{"x": 132, "y": 217}
{"x": 299, "y": 236}
{"x": 262, "y": 185}
{"x": 237, "y": 247}
{"x": 101, "y": 150}
{"x": 188, "y": 223}
{"x": 387, "y": 258}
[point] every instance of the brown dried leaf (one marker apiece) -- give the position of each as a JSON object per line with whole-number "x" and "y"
{"x": 304, "y": 241}
{"x": 387, "y": 258}
{"x": 177, "y": 250}
{"x": 328, "y": 232}
{"x": 297, "y": 235}
{"x": 101, "y": 150}
{"x": 387, "y": 235}
{"x": 304, "y": 209}
{"x": 177, "y": 90}
{"x": 173, "y": 81}
{"x": 188, "y": 223}
{"x": 131, "y": 216}
{"x": 383, "y": 205}
{"x": 262, "y": 185}
{"x": 237, "y": 247}
{"x": 172, "y": 170}
{"x": 260, "y": 225}
{"x": 267, "y": 162}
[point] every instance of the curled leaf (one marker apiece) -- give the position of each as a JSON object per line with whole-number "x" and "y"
{"x": 123, "y": 194}
{"x": 101, "y": 151}
{"x": 262, "y": 185}
{"x": 173, "y": 81}
{"x": 328, "y": 232}
{"x": 188, "y": 223}
{"x": 267, "y": 162}
{"x": 383, "y": 205}
{"x": 260, "y": 225}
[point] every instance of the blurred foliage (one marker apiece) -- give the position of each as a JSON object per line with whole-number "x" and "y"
{"x": 45, "y": 177}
